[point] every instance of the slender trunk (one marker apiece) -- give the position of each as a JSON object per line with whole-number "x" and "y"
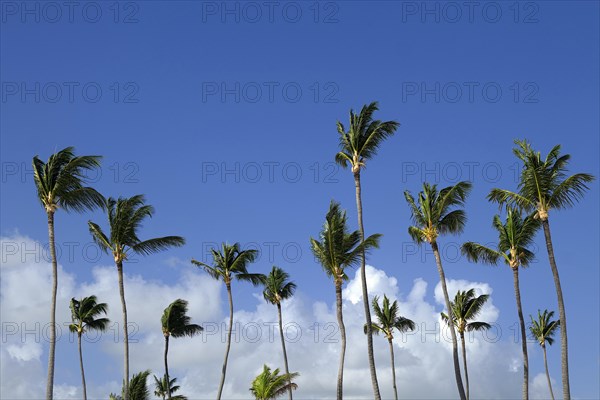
{"x": 523, "y": 335}
{"x": 393, "y": 369}
{"x": 464, "y": 355}
{"x": 167, "y": 367}
{"x": 365, "y": 292}
{"x": 224, "y": 370}
{"x": 340, "y": 318}
{"x": 285, "y": 360}
{"x": 564, "y": 351}
{"x": 126, "y": 338}
{"x": 547, "y": 373}
{"x": 438, "y": 261}
{"x": 81, "y": 366}
{"x": 50, "y": 381}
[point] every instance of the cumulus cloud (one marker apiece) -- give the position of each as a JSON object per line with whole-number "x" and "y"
{"x": 423, "y": 357}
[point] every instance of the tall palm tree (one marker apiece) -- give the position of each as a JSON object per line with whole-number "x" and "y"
{"x": 270, "y": 385}
{"x": 164, "y": 386}
{"x": 543, "y": 330}
{"x": 465, "y": 307}
{"x": 544, "y": 186}
{"x": 136, "y": 389}
{"x": 176, "y": 323}
{"x": 357, "y": 145}
{"x": 230, "y": 263}
{"x": 336, "y": 250}
{"x": 388, "y": 320}
{"x": 514, "y": 236}
{"x": 125, "y": 217}
{"x": 60, "y": 183}
{"x": 84, "y": 315}
{"x": 278, "y": 287}
{"x": 436, "y": 213}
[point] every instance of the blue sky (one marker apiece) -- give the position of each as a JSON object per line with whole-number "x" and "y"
{"x": 226, "y": 121}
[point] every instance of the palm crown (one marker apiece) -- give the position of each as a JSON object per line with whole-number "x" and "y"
{"x": 544, "y": 184}
{"x": 363, "y": 137}
{"x": 277, "y": 286}
{"x": 466, "y": 307}
{"x": 175, "y": 321}
{"x": 270, "y": 385}
{"x": 433, "y": 213}
{"x": 163, "y": 387}
{"x": 338, "y": 248}
{"x": 125, "y": 217}
{"x": 543, "y": 328}
{"x": 84, "y": 313}
{"x": 60, "y": 181}
{"x": 388, "y": 318}
{"x": 229, "y": 262}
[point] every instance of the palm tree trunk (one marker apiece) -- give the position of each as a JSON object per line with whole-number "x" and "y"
{"x": 564, "y": 351}
{"x": 285, "y": 360}
{"x": 365, "y": 292}
{"x": 523, "y": 335}
{"x": 126, "y": 338}
{"x": 438, "y": 261}
{"x": 224, "y": 370}
{"x": 547, "y": 373}
{"x": 393, "y": 368}
{"x": 464, "y": 355}
{"x": 167, "y": 367}
{"x": 50, "y": 381}
{"x": 340, "y": 318}
{"x": 81, "y": 366}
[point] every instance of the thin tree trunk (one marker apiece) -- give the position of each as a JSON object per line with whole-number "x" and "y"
{"x": 285, "y": 360}
{"x": 126, "y": 338}
{"x": 365, "y": 292}
{"x": 224, "y": 370}
{"x": 167, "y": 368}
{"x": 523, "y": 335}
{"x": 81, "y": 366}
{"x": 438, "y": 261}
{"x": 340, "y": 318}
{"x": 464, "y": 355}
{"x": 547, "y": 373}
{"x": 50, "y": 381}
{"x": 564, "y": 351}
{"x": 393, "y": 368}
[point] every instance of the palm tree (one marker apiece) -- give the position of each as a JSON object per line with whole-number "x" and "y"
{"x": 465, "y": 307}
{"x": 336, "y": 250}
{"x": 60, "y": 183}
{"x": 433, "y": 215}
{"x": 175, "y": 323}
{"x": 357, "y": 145}
{"x": 389, "y": 320}
{"x": 544, "y": 186}
{"x": 514, "y": 236}
{"x": 543, "y": 330}
{"x": 84, "y": 315}
{"x": 229, "y": 263}
{"x": 164, "y": 386}
{"x": 278, "y": 288}
{"x": 125, "y": 217}
{"x": 270, "y": 385}
{"x": 136, "y": 389}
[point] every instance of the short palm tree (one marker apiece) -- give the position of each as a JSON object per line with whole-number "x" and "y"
{"x": 278, "y": 287}
{"x": 388, "y": 321}
{"x": 84, "y": 317}
{"x": 125, "y": 217}
{"x": 544, "y": 186}
{"x": 270, "y": 385}
{"x": 543, "y": 330}
{"x": 514, "y": 236}
{"x": 164, "y": 386}
{"x": 465, "y": 307}
{"x": 176, "y": 323}
{"x": 136, "y": 389}
{"x": 229, "y": 263}
{"x": 60, "y": 183}
{"x": 436, "y": 213}
{"x": 336, "y": 250}
{"x": 357, "y": 145}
